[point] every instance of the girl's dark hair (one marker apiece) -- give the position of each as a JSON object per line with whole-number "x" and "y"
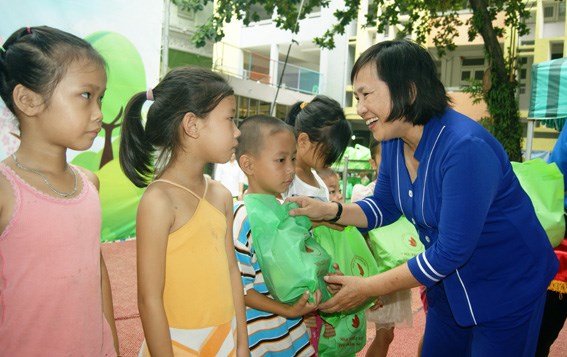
{"x": 38, "y": 58}
{"x": 324, "y": 121}
{"x": 183, "y": 90}
{"x": 411, "y": 75}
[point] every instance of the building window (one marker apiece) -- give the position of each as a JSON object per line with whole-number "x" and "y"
{"x": 472, "y": 69}
{"x": 556, "y": 50}
{"x": 553, "y": 11}
{"x": 522, "y": 74}
{"x": 246, "y": 107}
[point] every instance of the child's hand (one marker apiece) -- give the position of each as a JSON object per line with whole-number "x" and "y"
{"x": 303, "y": 306}
{"x": 334, "y": 288}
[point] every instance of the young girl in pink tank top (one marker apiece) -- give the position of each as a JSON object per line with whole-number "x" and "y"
{"x": 55, "y": 297}
{"x": 190, "y": 293}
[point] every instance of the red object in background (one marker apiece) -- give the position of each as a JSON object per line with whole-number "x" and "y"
{"x": 559, "y": 282}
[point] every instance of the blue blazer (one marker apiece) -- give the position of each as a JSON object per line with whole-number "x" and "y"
{"x": 483, "y": 240}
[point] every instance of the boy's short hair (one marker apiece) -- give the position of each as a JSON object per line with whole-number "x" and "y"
{"x": 328, "y": 172}
{"x": 254, "y": 129}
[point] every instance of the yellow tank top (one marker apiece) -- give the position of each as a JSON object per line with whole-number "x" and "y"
{"x": 197, "y": 290}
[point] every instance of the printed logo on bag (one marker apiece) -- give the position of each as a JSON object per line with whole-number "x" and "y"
{"x": 355, "y": 322}
{"x": 412, "y": 241}
{"x": 314, "y": 249}
{"x": 358, "y": 266}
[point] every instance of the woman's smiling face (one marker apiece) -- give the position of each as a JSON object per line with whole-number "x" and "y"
{"x": 375, "y": 104}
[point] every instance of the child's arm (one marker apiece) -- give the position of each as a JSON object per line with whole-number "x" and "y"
{"x": 107, "y": 304}
{"x": 300, "y": 308}
{"x": 237, "y": 289}
{"x": 153, "y": 222}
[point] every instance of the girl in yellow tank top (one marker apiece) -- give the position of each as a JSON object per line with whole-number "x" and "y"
{"x": 189, "y": 288}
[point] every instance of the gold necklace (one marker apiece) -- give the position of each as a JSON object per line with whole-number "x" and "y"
{"x": 44, "y": 178}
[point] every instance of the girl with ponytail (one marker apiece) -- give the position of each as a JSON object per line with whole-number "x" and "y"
{"x": 190, "y": 294}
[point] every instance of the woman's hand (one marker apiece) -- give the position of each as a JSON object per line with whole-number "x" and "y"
{"x": 314, "y": 209}
{"x": 350, "y": 295}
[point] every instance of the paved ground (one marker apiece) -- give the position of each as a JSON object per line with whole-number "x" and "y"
{"x": 121, "y": 261}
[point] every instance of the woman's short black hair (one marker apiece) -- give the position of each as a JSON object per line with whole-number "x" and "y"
{"x": 411, "y": 76}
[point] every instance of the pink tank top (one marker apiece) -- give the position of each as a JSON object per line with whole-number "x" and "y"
{"x": 50, "y": 281}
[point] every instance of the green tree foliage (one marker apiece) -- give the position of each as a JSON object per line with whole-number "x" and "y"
{"x": 443, "y": 16}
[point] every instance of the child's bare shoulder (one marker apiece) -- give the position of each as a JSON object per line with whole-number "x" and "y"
{"x": 159, "y": 195}
{"x": 91, "y": 176}
{"x": 219, "y": 196}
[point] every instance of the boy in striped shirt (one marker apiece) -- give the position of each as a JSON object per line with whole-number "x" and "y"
{"x": 274, "y": 328}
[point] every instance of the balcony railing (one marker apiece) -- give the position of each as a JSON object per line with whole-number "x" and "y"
{"x": 258, "y": 67}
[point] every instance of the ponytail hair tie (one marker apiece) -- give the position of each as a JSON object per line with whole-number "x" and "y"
{"x": 303, "y": 105}
{"x": 150, "y": 94}
{"x": 29, "y": 29}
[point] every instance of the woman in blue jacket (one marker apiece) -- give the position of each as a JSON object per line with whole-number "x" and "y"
{"x": 488, "y": 261}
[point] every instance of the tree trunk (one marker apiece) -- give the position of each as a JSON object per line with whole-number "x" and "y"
{"x": 501, "y": 96}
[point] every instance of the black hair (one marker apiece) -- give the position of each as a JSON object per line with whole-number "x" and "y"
{"x": 408, "y": 69}
{"x": 254, "y": 130}
{"x": 38, "y": 58}
{"x": 374, "y": 146}
{"x": 324, "y": 121}
{"x": 182, "y": 90}
{"x": 327, "y": 172}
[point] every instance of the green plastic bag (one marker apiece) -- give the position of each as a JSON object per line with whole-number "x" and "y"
{"x": 349, "y": 335}
{"x": 544, "y": 184}
{"x": 349, "y": 250}
{"x": 291, "y": 260}
{"x": 394, "y": 244}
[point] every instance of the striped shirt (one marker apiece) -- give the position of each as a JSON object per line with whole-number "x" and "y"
{"x": 268, "y": 334}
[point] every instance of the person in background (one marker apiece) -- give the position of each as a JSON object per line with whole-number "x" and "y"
{"x": 231, "y": 176}
{"x": 189, "y": 289}
{"x": 360, "y": 191}
{"x": 331, "y": 179}
{"x": 323, "y": 134}
{"x": 487, "y": 259}
{"x": 55, "y": 293}
{"x": 393, "y": 309}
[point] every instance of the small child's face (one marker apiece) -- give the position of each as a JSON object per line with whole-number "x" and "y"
{"x": 274, "y": 166}
{"x": 334, "y": 188}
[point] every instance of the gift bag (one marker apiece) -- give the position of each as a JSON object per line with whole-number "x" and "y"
{"x": 349, "y": 250}
{"x": 291, "y": 260}
{"x": 544, "y": 184}
{"x": 348, "y": 335}
{"x": 394, "y": 244}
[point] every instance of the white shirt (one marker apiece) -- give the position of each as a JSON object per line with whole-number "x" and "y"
{"x": 300, "y": 188}
{"x": 231, "y": 176}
